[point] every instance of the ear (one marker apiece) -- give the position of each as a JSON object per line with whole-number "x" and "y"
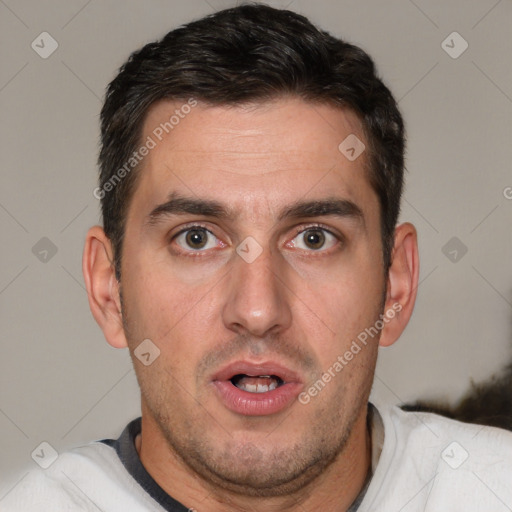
{"x": 102, "y": 286}
{"x": 402, "y": 284}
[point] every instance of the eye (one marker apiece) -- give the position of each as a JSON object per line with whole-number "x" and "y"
{"x": 314, "y": 238}
{"x": 196, "y": 238}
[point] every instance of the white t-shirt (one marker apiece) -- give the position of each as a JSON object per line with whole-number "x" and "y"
{"x": 421, "y": 462}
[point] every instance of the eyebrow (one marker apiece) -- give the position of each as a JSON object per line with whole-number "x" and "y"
{"x": 342, "y": 208}
{"x": 181, "y": 205}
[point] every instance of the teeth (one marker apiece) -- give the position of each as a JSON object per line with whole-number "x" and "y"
{"x": 257, "y": 387}
{"x": 262, "y": 388}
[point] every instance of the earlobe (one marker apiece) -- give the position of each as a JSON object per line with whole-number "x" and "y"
{"x": 102, "y": 286}
{"x": 402, "y": 283}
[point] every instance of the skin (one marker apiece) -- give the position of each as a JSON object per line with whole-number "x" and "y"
{"x": 296, "y": 305}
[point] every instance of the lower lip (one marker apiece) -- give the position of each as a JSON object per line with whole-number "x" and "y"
{"x": 257, "y": 404}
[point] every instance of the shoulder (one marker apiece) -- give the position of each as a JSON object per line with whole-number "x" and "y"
{"x": 87, "y": 478}
{"x": 56, "y": 485}
{"x": 437, "y": 430}
{"x": 438, "y": 462}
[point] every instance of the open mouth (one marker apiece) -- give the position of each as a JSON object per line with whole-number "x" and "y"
{"x": 256, "y": 384}
{"x": 257, "y": 389}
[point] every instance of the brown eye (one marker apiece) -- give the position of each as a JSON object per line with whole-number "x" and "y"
{"x": 314, "y": 238}
{"x": 196, "y": 239}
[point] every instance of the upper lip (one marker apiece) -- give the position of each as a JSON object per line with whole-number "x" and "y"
{"x": 256, "y": 369}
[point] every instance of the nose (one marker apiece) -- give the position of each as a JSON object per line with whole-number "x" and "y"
{"x": 257, "y": 300}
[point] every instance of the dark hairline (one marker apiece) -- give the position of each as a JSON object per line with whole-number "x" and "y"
{"x": 316, "y": 67}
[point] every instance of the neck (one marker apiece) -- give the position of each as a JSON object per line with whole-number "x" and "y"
{"x": 334, "y": 490}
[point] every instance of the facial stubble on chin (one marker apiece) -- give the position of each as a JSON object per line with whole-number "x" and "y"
{"x": 240, "y": 467}
{"x": 245, "y": 468}
{"x": 249, "y": 469}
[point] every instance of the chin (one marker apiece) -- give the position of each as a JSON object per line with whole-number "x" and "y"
{"x": 249, "y": 470}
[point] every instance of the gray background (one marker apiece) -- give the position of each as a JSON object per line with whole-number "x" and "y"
{"x": 59, "y": 380}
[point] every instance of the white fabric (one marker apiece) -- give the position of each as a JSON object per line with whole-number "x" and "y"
{"x": 422, "y": 467}
{"x": 90, "y": 478}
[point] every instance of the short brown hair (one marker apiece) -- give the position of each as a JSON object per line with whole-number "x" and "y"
{"x": 239, "y": 55}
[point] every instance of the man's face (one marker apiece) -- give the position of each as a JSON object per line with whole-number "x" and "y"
{"x": 252, "y": 299}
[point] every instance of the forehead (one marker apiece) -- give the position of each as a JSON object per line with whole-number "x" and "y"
{"x": 252, "y": 157}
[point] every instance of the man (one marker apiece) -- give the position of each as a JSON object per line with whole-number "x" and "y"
{"x": 251, "y": 174}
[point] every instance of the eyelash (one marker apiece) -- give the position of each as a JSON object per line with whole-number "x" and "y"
{"x": 191, "y": 253}
{"x": 297, "y": 231}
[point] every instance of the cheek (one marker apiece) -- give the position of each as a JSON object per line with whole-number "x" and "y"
{"x": 170, "y": 285}
{"x": 349, "y": 304}
{"x": 176, "y": 316}
{"x": 347, "y": 296}
{"x": 159, "y": 295}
